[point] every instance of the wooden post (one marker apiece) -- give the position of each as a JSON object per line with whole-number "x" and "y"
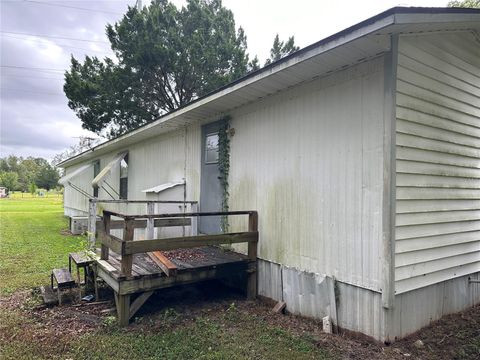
{"x": 123, "y": 309}
{"x": 194, "y": 221}
{"x": 92, "y": 225}
{"x": 106, "y": 227}
{"x": 252, "y": 254}
{"x": 128, "y": 233}
{"x": 149, "y": 235}
{"x": 95, "y": 282}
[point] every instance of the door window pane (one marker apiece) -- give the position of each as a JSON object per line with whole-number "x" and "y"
{"x": 211, "y": 148}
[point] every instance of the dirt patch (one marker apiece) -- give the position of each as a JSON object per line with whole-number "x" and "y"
{"x": 66, "y": 232}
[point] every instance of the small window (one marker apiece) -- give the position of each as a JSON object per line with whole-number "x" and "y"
{"x": 96, "y": 171}
{"x": 211, "y": 148}
{"x": 124, "y": 178}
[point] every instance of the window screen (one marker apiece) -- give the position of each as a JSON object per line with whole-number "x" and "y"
{"x": 211, "y": 148}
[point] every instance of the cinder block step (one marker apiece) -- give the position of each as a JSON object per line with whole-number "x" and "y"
{"x": 63, "y": 278}
{"x": 49, "y": 297}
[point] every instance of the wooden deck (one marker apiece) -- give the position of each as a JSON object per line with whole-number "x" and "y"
{"x": 128, "y": 268}
{"x": 143, "y": 265}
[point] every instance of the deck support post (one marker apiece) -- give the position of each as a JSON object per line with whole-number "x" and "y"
{"x": 150, "y": 221}
{"x": 92, "y": 224}
{"x": 127, "y": 260}
{"x": 123, "y": 309}
{"x": 252, "y": 255}
{"x": 106, "y": 229}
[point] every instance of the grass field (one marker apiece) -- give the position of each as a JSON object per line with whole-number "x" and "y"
{"x": 32, "y": 243}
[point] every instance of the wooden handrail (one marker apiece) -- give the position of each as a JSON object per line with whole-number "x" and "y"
{"x": 186, "y": 242}
{"x": 143, "y": 201}
{"x": 173, "y": 215}
{"x": 123, "y": 247}
{"x": 141, "y": 224}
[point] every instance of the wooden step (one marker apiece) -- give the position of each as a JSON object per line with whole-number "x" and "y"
{"x": 63, "y": 278}
{"x": 169, "y": 268}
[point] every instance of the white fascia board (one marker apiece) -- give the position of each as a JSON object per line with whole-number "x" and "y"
{"x": 437, "y": 18}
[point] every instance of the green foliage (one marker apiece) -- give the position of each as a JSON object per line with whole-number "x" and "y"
{"x": 47, "y": 177}
{"x": 224, "y": 167}
{"x": 167, "y": 56}
{"x": 281, "y": 49}
{"x": 465, "y": 4}
{"x": 32, "y": 188}
{"x": 9, "y": 179}
{"x": 29, "y": 170}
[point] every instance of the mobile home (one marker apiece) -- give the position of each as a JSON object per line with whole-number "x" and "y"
{"x": 361, "y": 155}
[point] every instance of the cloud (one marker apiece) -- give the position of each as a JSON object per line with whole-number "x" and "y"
{"x": 35, "y": 118}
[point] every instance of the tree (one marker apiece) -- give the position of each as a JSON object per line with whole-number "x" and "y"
{"x": 281, "y": 49}
{"x": 32, "y": 188}
{"x": 465, "y": 4}
{"x": 47, "y": 177}
{"x": 9, "y": 180}
{"x": 29, "y": 171}
{"x": 167, "y": 57}
{"x": 84, "y": 143}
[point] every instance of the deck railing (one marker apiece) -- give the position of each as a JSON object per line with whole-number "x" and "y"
{"x": 150, "y": 209}
{"x": 126, "y": 247}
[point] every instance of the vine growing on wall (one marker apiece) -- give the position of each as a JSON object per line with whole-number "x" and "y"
{"x": 224, "y": 167}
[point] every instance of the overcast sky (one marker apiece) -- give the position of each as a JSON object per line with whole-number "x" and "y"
{"x": 35, "y": 118}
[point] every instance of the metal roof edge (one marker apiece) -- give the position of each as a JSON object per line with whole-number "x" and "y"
{"x": 383, "y": 19}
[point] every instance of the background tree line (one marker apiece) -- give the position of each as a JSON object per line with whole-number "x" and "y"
{"x": 27, "y": 174}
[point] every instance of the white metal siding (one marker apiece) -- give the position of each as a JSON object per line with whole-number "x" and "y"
{"x": 73, "y": 199}
{"x": 438, "y": 159}
{"x": 418, "y": 308}
{"x": 169, "y": 157}
{"x": 310, "y": 160}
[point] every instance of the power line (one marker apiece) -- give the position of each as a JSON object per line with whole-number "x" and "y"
{"x": 31, "y": 77}
{"x": 72, "y": 7}
{"x": 54, "y": 37}
{"x": 59, "y": 45}
{"x": 33, "y": 92}
{"x": 31, "y": 68}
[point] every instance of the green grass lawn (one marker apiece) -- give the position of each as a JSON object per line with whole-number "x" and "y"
{"x": 31, "y": 243}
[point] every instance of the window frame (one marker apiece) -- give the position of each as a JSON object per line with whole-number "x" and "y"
{"x": 206, "y": 150}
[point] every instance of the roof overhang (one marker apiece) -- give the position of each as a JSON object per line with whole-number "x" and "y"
{"x": 361, "y": 42}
